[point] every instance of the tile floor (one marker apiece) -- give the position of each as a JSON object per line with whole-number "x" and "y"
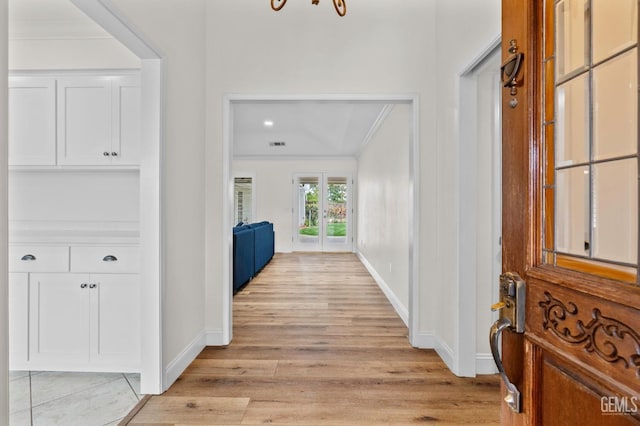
{"x": 48, "y": 398}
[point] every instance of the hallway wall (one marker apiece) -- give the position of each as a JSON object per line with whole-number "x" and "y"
{"x": 383, "y": 207}
{"x": 274, "y": 193}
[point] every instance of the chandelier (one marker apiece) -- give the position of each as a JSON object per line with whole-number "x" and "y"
{"x": 340, "y": 5}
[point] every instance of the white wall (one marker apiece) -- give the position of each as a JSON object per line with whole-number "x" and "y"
{"x": 274, "y": 193}
{"x": 383, "y": 206}
{"x": 177, "y": 29}
{"x": 455, "y": 51}
{"x": 4, "y": 299}
{"x": 69, "y": 54}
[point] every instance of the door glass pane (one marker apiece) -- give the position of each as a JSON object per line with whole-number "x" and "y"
{"x": 572, "y": 123}
{"x": 614, "y": 27}
{"x": 615, "y": 115}
{"x": 572, "y": 211}
{"x": 308, "y": 220}
{"x": 243, "y": 199}
{"x": 615, "y": 211}
{"x": 336, "y": 210}
{"x": 572, "y": 36}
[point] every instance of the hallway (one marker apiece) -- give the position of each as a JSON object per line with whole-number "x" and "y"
{"x": 317, "y": 343}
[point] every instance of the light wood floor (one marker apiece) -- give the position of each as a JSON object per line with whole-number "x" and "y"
{"x": 317, "y": 343}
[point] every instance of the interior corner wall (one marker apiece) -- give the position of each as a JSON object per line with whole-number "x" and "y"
{"x": 379, "y": 47}
{"x": 455, "y": 51}
{"x": 177, "y": 29}
{"x": 70, "y": 54}
{"x": 383, "y": 206}
{"x": 4, "y": 238}
{"x": 273, "y": 190}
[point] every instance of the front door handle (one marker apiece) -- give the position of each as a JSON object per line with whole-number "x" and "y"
{"x": 513, "y": 394}
{"x": 512, "y": 308}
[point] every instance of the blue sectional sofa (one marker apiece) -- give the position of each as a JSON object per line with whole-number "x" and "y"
{"x": 253, "y": 248}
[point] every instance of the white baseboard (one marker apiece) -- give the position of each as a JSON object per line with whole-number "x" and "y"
{"x": 180, "y": 363}
{"x": 485, "y": 364}
{"x": 423, "y": 340}
{"x": 446, "y": 354}
{"x": 402, "y": 310}
{"x": 215, "y": 338}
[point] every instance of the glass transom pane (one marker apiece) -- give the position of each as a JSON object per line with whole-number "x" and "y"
{"x": 615, "y": 118}
{"x": 572, "y": 122}
{"x": 615, "y": 211}
{"x": 572, "y": 211}
{"x": 572, "y": 35}
{"x": 615, "y": 27}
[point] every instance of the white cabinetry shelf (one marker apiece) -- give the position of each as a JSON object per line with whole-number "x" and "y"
{"x": 61, "y": 121}
{"x": 62, "y": 320}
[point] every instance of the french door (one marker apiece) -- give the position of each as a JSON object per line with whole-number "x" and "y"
{"x": 323, "y": 212}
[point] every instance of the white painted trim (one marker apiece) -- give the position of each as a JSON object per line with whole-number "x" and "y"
{"x": 464, "y": 356}
{"x": 180, "y": 363}
{"x": 416, "y": 337}
{"x": 152, "y": 377}
{"x": 384, "y": 113}
{"x": 215, "y": 338}
{"x": 447, "y": 354}
{"x": 292, "y": 158}
{"x": 4, "y": 217}
{"x": 107, "y": 15}
{"x": 227, "y": 214}
{"x": 481, "y": 57}
{"x": 401, "y": 310}
{"x": 424, "y": 340}
{"x": 485, "y": 364}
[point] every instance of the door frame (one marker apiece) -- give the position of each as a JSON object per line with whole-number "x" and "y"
{"x": 414, "y": 196}
{"x": 153, "y": 375}
{"x": 467, "y": 361}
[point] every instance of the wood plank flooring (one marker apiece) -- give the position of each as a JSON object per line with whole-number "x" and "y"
{"x": 317, "y": 343}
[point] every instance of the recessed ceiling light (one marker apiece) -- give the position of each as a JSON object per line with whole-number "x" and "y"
{"x": 268, "y": 123}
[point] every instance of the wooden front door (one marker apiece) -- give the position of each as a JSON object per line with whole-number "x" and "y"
{"x": 570, "y": 209}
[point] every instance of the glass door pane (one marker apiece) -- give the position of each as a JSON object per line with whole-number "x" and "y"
{"x": 243, "y": 199}
{"x": 337, "y": 214}
{"x": 308, "y": 220}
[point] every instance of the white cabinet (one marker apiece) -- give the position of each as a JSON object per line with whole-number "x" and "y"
{"x": 62, "y": 319}
{"x": 18, "y": 326}
{"x": 74, "y": 120}
{"x": 32, "y": 121}
{"x": 84, "y": 320}
{"x": 98, "y": 121}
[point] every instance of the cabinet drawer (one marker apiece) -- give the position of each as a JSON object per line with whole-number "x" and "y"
{"x": 38, "y": 258}
{"x": 105, "y": 259}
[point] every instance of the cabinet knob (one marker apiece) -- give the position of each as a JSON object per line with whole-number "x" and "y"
{"x": 93, "y": 285}
{"x": 83, "y": 285}
{"x": 106, "y": 154}
{"x": 109, "y": 258}
{"x": 114, "y": 154}
{"x": 28, "y": 257}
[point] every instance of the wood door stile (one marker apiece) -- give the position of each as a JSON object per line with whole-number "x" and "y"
{"x": 317, "y": 343}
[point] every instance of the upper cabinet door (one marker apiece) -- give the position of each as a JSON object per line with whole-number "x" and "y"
{"x": 84, "y": 121}
{"x": 125, "y": 144}
{"x": 32, "y": 125}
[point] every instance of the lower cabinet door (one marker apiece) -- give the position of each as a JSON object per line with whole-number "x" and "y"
{"x": 115, "y": 321}
{"x": 18, "y": 321}
{"x": 59, "y": 320}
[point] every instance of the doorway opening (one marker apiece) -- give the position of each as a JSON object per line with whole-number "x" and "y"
{"x": 302, "y": 223}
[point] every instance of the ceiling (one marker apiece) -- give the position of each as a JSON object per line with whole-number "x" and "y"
{"x": 307, "y": 128}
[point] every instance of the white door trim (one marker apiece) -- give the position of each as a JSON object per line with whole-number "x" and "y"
{"x": 153, "y": 376}
{"x": 414, "y": 198}
{"x": 464, "y": 358}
